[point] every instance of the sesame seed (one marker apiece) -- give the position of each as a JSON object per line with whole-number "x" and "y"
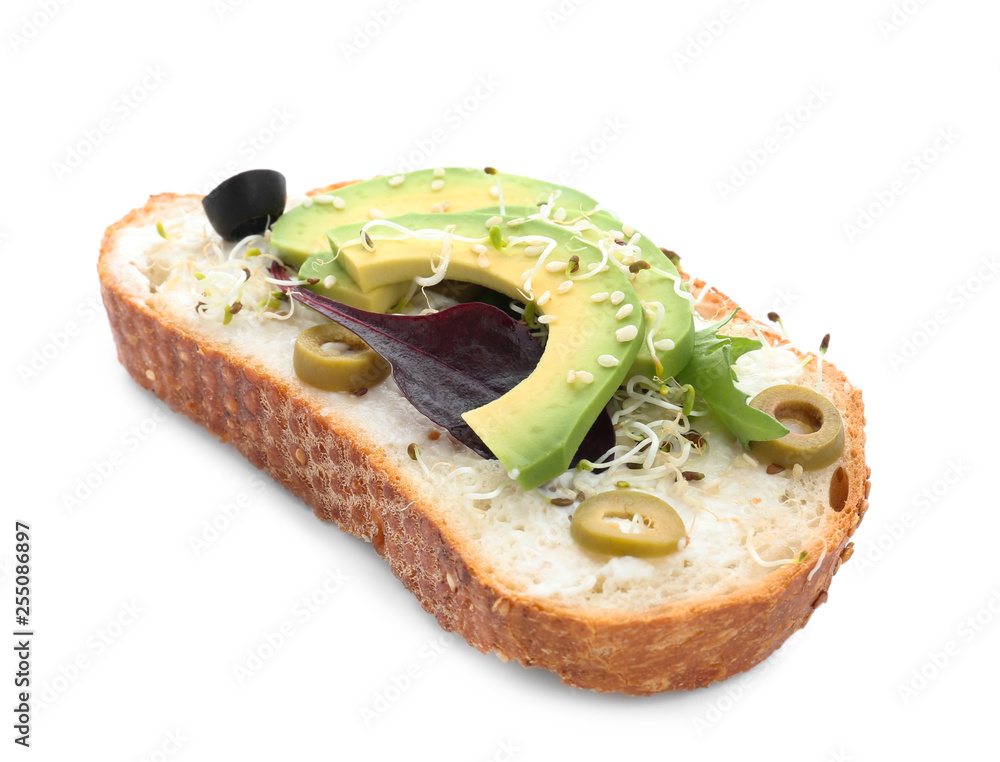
{"x": 493, "y": 221}
{"x": 479, "y": 249}
{"x": 544, "y": 298}
{"x": 797, "y": 471}
{"x": 439, "y": 172}
{"x": 554, "y": 267}
{"x": 600, "y": 297}
{"x": 515, "y": 223}
{"x": 624, "y": 312}
{"x": 307, "y": 203}
{"x": 607, "y": 361}
{"x": 396, "y": 181}
{"x": 634, "y": 240}
{"x": 329, "y": 281}
{"x": 627, "y": 333}
{"x": 533, "y": 251}
{"x": 617, "y": 298}
{"x": 664, "y": 345}
{"x": 483, "y": 261}
{"x": 560, "y": 215}
{"x": 323, "y": 199}
{"x": 437, "y": 208}
{"x": 571, "y": 377}
{"x": 628, "y": 231}
{"x": 451, "y": 582}
{"x": 495, "y": 192}
{"x": 150, "y": 375}
{"x": 375, "y": 214}
{"x": 546, "y": 318}
{"x": 437, "y": 185}
{"x": 585, "y": 376}
{"x": 338, "y": 202}
{"x": 564, "y": 287}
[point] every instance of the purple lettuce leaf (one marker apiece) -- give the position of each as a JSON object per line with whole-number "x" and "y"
{"x": 449, "y": 362}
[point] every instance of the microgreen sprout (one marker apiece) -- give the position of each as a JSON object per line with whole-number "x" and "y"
{"x": 573, "y": 265}
{"x": 641, "y": 264}
{"x": 823, "y": 346}
{"x": 530, "y": 318}
{"x": 412, "y": 451}
{"x": 622, "y": 484}
{"x": 366, "y": 241}
{"x": 252, "y": 252}
{"x": 692, "y": 476}
{"x": 493, "y": 172}
{"x": 671, "y": 255}
{"x": 774, "y": 317}
{"x": 688, "y": 399}
{"x": 163, "y": 232}
{"x": 495, "y": 239}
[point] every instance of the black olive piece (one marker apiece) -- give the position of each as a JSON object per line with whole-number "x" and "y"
{"x": 246, "y": 204}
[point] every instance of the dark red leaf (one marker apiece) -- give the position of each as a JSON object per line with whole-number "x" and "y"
{"x": 449, "y": 362}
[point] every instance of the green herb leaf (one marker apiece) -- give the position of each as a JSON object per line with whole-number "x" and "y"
{"x": 710, "y": 372}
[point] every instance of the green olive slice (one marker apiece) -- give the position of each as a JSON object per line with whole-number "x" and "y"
{"x": 816, "y": 431}
{"x": 662, "y": 530}
{"x": 348, "y": 368}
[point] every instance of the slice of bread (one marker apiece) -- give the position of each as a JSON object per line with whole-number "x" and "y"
{"x": 489, "y": 561}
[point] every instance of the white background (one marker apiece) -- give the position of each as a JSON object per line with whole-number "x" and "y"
{"x": 648, "y": 107}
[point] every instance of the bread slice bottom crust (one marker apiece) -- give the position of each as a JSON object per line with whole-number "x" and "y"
{"x": 683, "y": 645}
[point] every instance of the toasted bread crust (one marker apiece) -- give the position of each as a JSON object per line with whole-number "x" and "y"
{"x": 335, "y": 471}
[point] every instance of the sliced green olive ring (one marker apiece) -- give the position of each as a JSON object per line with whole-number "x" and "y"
{"x": 662, "y": 534}
{"x": 819, "y": 444}
{"x": 348, "y": 372}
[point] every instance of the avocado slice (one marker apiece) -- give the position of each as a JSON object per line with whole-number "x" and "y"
{"x": 335, "y": 283}
{"x": 593, "y": 314}
{"x": 660, "y": 283}
{"x": 301, "y": 232}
